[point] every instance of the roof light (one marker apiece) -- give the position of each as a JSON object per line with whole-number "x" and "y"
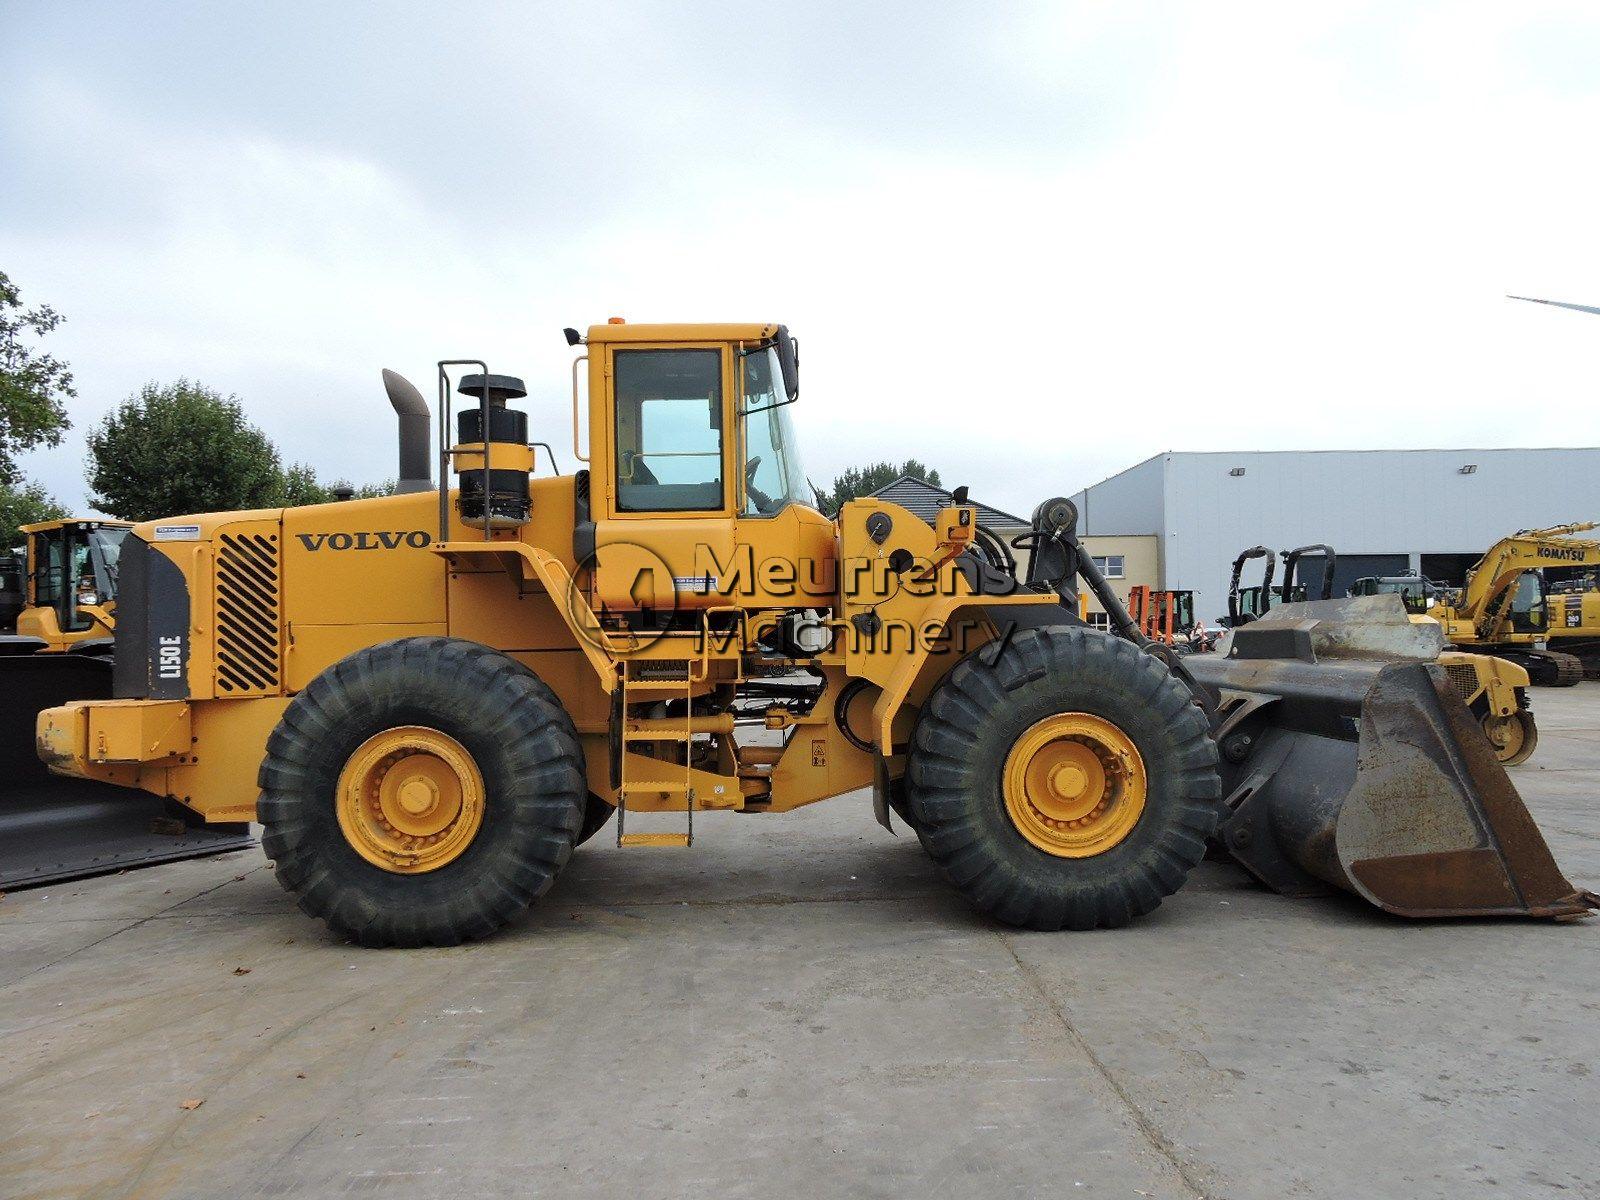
{"x": 1468, "y": 469}
{"x": 616, "y": 321}
{"x": 1236, "y": 472}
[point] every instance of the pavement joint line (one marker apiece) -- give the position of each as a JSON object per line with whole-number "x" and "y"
{"x": 1577, "y": 833}
{"x": 118, "y": 932}
{"x": 1151, "y": 1132}
{"x": 767, "y": 901}
{"x": 167, "y": 914}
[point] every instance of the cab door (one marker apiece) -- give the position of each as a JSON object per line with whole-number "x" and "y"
{"x": 664, "y": 531}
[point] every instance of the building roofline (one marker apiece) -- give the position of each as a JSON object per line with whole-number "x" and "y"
{"x": 1143, "y": 462}
{"x": 1369, "y": 450}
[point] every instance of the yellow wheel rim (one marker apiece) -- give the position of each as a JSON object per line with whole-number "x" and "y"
{"x": 410, "y": 800}
{"x": 1074, "y": 785}
{"x": 1506, "y": 735}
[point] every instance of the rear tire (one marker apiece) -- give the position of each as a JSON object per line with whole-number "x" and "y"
{"x": 988, "y": 705}
{"x": 520, "y": 746}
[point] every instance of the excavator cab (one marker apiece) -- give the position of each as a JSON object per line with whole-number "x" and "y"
{"x": 1527, "y": 612}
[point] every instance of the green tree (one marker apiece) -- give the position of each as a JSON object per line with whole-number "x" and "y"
{"x": 863, "y": 481}
{"x": 183, "y": 448}
{"x": 367, "y": 491}
{"x": 298, "y": 485}
{"x": 34, "y": 387}
{"x": 23, "y": 504}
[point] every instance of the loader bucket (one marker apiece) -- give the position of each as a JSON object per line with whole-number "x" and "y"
{"x": 53, "y": 827}
{"x": 1351, "y": 761}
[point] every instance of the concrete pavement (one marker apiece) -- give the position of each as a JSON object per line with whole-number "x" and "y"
{"x": 799, "y": 1006}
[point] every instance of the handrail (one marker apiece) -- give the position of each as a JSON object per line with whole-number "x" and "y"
{"x": 576, "y": 450}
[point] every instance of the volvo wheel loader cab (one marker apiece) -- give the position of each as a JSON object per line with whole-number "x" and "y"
{"x": 430, "y": 699}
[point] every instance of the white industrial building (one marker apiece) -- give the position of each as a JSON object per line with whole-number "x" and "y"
{"x": 1177, "y": 520}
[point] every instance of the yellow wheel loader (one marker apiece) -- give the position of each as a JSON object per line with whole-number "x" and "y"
{"x": 60, "y": 649}
{"x": 1495, "y": 690}
{"x": 429, "y": 700}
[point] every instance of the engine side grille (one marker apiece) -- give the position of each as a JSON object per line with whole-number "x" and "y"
{"x": 249, "y": 648}
{"x": 1464, "y": 678}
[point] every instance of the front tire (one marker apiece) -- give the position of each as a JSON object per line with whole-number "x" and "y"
{"x": 1067, "y": 782}
{"x": 421, "y": 792}
{"x": 1513, "y": 737}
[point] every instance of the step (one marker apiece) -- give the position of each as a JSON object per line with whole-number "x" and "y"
{"x": 672, "y": 689}
{"x": 653, "y": 839}
{"x": 651, "y": 787}
{"x": 665, "y": 729}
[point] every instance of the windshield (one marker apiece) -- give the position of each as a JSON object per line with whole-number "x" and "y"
{"x": 772, "y": 471}
{"x": 107, "y": 541}
{"x": 1418, "y": 595}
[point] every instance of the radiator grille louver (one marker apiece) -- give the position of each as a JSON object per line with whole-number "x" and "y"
{"x": 1464, "y": 677}
{"x": 248, "y": 645}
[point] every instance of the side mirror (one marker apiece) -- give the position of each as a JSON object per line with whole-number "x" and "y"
{"x": 789, "y": 362}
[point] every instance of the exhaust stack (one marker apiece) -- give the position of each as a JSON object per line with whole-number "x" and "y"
{"x": 416, "y": 455}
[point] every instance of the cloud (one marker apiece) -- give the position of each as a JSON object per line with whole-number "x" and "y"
{"x": 1029, "y": 250}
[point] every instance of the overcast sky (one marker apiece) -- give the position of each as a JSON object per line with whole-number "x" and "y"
{"x": 1028, "y": 245}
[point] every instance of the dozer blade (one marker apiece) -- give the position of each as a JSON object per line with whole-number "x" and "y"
{"x": 1350, "y": 761}
{"x": 52, "y": 827}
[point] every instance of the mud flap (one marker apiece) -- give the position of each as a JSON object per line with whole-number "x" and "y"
{"x": 1365, "y": 771}
{"x": 53, "y": 827}
{"x": 880, "y": 792}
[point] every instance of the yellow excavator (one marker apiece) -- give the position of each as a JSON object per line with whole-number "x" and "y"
{"x": 428, "y": 700}
{"x": 1504, "y": 608}
{"x": 62, "y": 591}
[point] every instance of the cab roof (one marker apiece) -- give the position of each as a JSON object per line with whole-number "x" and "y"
{"x": 708, "y": 332}
{"x": 91, "y": 522}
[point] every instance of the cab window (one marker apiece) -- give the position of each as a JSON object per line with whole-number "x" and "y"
{"x": 1527, "y": 604}
{"x": 669, "y": 430}
{"x": 50, "y": 568}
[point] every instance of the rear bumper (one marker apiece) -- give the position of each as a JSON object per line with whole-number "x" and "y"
{"x": 110, "y": 739}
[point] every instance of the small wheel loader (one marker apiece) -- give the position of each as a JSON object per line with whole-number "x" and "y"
{"x": 1505, "y": 610}
{"x": 429, "y": 700}
{"x": 1494, "y": 689}
{"x": 60, "y": 649}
